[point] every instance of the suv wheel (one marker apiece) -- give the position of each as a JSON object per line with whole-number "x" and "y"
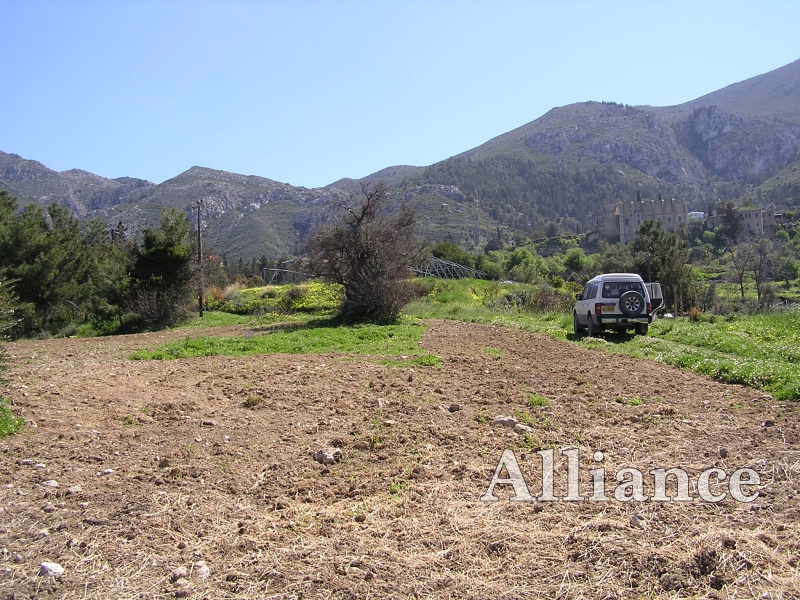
{"x": 594, "y": 330}
{"x": 631, "y": 303}
{"x": 577, "y": 328}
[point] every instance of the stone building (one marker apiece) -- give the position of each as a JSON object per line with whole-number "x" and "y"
{"x": 755, "y": 221}
{"x": 621, "y": 220}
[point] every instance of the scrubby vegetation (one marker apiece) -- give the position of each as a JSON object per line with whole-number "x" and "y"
{"x": 61, "y": 277}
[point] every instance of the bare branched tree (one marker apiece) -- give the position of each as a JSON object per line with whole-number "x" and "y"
{"x": 740, "y": 261}
{"x": 369, "y": 250}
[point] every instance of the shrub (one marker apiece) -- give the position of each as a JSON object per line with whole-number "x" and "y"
{"x": 369, "y": 251}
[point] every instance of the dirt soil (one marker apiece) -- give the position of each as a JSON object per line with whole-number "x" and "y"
{"x": 196, "y": 478}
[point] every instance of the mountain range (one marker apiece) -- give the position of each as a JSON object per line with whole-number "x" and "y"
{"x": 740, "y": 143}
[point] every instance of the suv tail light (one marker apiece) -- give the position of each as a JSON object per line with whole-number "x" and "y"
{"x": 598, "y": 308}
{"x": 649, "y": 308}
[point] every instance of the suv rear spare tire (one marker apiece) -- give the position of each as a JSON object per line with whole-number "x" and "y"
{"x": 631, "y": 303}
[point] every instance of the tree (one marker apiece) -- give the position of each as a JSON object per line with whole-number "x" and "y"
{"x": 112, "y": 256}
{"x": 369, "y": 251}
{"x": 763, "y": 265}
{"x": 8, "y": 306}
{"x": 740, "y": 260}
{"x": 575, "y": 260}
{"x": 611, "y": 258}
{"x": 454, "y": 253}
{"x": 661, "y": 256}
{"x": 788, "y": 267}
{"x": 731, "y": 222}
{"x": 162, "y": 271}
{"x": 43, "y": 253}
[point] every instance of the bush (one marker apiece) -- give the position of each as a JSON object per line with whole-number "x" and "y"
{"x": 158, "y": 307}
{"x": 369, "y": 251}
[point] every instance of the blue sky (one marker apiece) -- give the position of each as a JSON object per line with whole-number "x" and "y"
{"x": 310, "y": 91}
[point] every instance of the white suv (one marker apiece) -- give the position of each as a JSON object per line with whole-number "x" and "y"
{"x": 619, "y": 301}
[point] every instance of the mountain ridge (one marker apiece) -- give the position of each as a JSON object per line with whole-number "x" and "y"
{"x": 739, "y": 143}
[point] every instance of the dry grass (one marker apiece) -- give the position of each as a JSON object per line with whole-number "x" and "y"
{"x": 204, "y": 480}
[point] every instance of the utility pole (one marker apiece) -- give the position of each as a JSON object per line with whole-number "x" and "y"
{"x": 200, "y": 259}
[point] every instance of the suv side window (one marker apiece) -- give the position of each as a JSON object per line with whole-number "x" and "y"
{"x": 586, "y": 291}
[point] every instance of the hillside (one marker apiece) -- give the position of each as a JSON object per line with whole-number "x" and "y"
{"x": 773, "y": 95}
{"x": 741, "y": 143}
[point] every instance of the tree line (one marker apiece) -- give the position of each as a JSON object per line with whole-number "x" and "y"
{"x": 61, "y": 272}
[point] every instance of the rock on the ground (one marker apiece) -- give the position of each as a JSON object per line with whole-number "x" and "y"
{"x": 50, "y": 569}
{"x": 328, "y": 456}
{"x": 505, "y": 421}
{"x": 202, "y": 570}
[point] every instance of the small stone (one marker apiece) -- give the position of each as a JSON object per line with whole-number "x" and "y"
{"x": 181, "y": 545}
{"x": 50, "y": 483}
{"x": 178, "y": 574}
{"x": 39, "y": 466}
{"x": 768, "y": 423}
{"x": 74, "y": 490}
{"x": 505, "y": 421}
{"x": 328, "y": 456}
{"x": 638, "y": 521}
{"x": 48, "y": 508}
{"x": 50, "y": 569}
{"x": 454, "y": 407}
{"x": 42, "y": 533}
{"x": 723, "y": 452}
{"x": 182, "y": 588}
{"x": 163, "y": 463}
{"x": 26, "y": 462}
{"x": 520, "y": 428}
{"x": 108, "y": 471}
{"x": 202, "y": 570}
{"x": 208, "y": 423}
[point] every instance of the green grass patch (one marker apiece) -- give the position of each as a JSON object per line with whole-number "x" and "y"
{"x": 215, "y": 318}
{"x": 401, "y": 340}
{"x": 535, "y": 400}
{"x": 9, "y": 424}
{"x": 759, "y": 351}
